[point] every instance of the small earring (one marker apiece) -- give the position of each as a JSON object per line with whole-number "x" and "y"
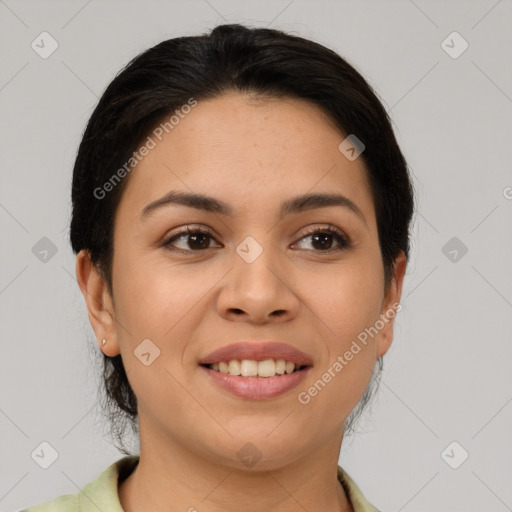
{"x": 103, "y": 341}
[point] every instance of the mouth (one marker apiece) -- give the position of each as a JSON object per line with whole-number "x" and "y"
{"x": 256, "y": 371}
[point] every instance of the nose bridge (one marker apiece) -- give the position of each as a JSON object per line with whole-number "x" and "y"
{"x": 255, "y": 284}
{"x": 257, "y": 260}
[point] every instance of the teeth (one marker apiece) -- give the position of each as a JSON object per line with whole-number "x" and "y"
{"x": 249, "y": 368}
{"x": 252, "y": 368}
{"x": 289, "y": 367}
{"x": 234, "y": 367}
{"x": 280, "y": 366}
{"x": 267, "y": 368}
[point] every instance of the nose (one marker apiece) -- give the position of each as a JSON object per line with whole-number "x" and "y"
{"x": 259, "y": 291}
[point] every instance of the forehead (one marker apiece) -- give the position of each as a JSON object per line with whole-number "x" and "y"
{"x": 246, "y": 150}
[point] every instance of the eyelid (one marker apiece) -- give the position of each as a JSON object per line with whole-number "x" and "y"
{"x": 316, "y": 228}
{"x": 189, "y": 227}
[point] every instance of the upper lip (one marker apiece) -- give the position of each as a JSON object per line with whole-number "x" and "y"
{"x": 258, "y": 351}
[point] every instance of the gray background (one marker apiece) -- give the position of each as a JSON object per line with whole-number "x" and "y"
{"x": 447, "y": 377}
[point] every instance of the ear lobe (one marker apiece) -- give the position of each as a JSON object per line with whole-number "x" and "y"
{"x": 98, "y": 302}
{"x": 390, "y": 304}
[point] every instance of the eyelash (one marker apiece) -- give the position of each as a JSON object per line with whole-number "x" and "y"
{"x": 339, "y": 237}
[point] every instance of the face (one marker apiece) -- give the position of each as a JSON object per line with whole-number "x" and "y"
{"x": 310, "y": 277}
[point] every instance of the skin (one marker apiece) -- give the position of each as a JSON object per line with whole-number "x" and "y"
{"x": 252, "y": 154}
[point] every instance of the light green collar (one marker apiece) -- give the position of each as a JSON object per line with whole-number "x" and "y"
{"x": 102, "y": 493}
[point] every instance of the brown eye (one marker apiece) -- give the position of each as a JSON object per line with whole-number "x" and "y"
{"x": 322, "y": 240}
{"x": 198, "y": 240}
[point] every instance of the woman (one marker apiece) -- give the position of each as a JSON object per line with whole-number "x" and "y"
{"x": 241, "y": 216}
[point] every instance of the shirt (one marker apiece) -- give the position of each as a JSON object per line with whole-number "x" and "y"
{"x": 102, "y": 493}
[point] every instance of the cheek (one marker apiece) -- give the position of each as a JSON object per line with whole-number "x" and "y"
{"x": 346, "y": 298}
{"x": 152, "y": 299}
{"x": 162, "y": 304}
{"x": 347, "y": 301}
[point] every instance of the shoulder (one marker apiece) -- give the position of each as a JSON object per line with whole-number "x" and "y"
{"x": 354, "y": 493}
{"x": 99, "y": 494}
{"x": 65, "y": 503}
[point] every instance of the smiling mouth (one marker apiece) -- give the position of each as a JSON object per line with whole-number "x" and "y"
{"x": 252, "y": 368}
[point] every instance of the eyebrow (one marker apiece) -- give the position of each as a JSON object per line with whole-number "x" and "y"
{"x": 290, "y": 206}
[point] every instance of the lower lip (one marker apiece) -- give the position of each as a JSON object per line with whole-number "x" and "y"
{"x": 257, "y": 388}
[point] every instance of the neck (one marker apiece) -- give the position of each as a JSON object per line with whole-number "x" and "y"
{"x": 189, "y": 481}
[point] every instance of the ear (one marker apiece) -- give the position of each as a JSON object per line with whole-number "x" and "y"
{"x": 391, "y": 305}
{"x": 99, "y": 303}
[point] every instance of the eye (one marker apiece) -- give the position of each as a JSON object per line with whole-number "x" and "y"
{"x": 199, "y": 240}
{"x": 324, "y": 237}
